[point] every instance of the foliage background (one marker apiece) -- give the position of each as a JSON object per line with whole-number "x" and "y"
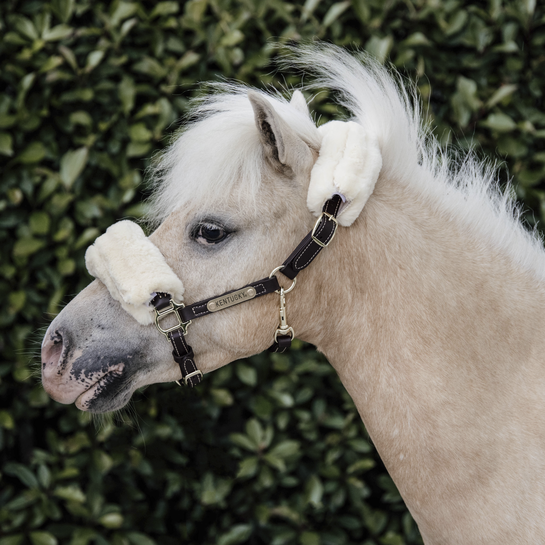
{"x": 268, "y": 450}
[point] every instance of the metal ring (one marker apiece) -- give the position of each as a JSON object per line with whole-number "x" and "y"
{"x": 274, "y": 273}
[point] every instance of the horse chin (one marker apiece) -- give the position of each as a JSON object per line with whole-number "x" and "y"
{"x": 109, "y": 393}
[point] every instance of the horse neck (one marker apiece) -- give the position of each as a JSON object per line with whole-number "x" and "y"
{"x": 437, "y": 336}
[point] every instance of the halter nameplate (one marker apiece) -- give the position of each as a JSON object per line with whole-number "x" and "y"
{"x": 234, "y": 298}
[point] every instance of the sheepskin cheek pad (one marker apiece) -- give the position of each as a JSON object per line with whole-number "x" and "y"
{"x": 348, "y": 165}
{"x": 132, "y": 268}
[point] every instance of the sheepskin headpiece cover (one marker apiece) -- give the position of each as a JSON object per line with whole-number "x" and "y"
{"x": 134, "y": 270}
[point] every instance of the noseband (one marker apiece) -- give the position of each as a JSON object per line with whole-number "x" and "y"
{"x": 300, "y": 258}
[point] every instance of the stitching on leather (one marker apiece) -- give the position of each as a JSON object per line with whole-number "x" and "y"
{"x": 295, "y": 264}
{"x": 206, "y": 309}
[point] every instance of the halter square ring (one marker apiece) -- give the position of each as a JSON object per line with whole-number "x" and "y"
{"x": 172, "y": 309}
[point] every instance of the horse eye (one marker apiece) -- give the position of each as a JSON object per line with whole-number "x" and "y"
{"x": 210, "y": 233}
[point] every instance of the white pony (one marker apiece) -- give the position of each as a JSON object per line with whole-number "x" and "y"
{"x": 430, "y": 306}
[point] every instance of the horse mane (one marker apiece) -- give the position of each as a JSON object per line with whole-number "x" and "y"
{"x": 202, "y": 163}
{"x": 217, "y": 150}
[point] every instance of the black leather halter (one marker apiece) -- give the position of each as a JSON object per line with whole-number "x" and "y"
{"x": 301, "y": 257}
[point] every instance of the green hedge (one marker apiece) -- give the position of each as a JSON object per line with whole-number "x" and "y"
{"x": 269, "y": 450}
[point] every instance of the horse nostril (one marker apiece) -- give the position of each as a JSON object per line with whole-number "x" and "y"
{"x": 52, "y": 349}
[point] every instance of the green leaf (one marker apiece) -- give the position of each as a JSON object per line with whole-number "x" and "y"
{"x": 56, "y": 33}
{"x": 22, "y": 473}
{"x": 6, "y": 144}
{"x": 111, "y": 521}
{"x": 361, "y": 465}
{"x": 72, "y": 164}
{"x": 140, "y": 133}
{"x": 16, "y": 539}
{"x": 285, "y": 449}
{"x": 380, "y": 47}
{"x": 246, "y": 374}
{"x": 503, "y": 92}
{"x": 127, "y": 93}
{"x": 27, "y": 246}
{"x": 309, "y": 538}
{"x": 314, "y": 491}
{"x": 222, "y": 397}
{"x": 16, "y": 301}
{"x": 248, "y": 468}
{"x": 195, "y": 9}
{"x": 500, "y": 122}
{"x": 244, "y": 441}
{"x": 308, "y": 9}
{"x": 6, "y": 420}
{"x": 334, "y": 12}
{"x": 254, "y": 430}
{"x": 63, "y": 9}
{"x": 25, "y": 27}
{"x": 33, "y": 153}
{"x": 150, "y": 67}
{"x": 232, "y": 38}
{"x": 237, "y": 534}
{"x": 71, "y": 492}
{"x": 165, "y": 8}
{"x": 43, "y": 538}
{"x": 93, "y": 60}
{"x": 39, "y": 223}
{"x": 137, "y": 538}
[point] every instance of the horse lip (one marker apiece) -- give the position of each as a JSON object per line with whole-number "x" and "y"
{"x": 93, "y": 392}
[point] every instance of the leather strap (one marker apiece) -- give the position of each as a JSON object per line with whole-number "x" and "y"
{"x": 184, "y": 357}
{"x": 199, "y": 309}
{"x": 315, "y": 241}
{"x": 281, "y": 344}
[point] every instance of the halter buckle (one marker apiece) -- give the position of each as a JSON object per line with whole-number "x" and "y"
{"x": 173, "y": 308}
{"x": 194, "y": 374}
{"x": 329, "y": 218}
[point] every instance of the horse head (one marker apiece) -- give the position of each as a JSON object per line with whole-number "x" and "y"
{"x": 231, "y": 203}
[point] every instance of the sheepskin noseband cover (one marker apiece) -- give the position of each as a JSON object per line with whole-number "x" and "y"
{"x": 132, "y": 268}
{"x": 348, "y": 165}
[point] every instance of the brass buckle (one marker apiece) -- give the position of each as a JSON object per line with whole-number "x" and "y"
{"x": 171, "y": 309}
{"x": 194, "y": 374}
{"x": 329, "y": 217}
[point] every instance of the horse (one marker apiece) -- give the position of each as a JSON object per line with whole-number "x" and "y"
{"x": 429, "y": 305}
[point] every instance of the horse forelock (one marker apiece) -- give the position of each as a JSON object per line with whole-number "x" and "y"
{"x": 217, "y": 151}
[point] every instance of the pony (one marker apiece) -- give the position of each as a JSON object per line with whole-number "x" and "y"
{"x": 429, "y": 306}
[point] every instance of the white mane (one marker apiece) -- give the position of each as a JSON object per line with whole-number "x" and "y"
{"x": 218, "y": 150}
{"x": 203, "y": 162}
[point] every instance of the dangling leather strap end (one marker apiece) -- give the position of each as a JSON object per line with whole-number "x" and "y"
{"x": 281, "y": 344}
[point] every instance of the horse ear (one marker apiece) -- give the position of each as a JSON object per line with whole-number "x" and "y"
{"x": 298, "y": 101}
{"x": 283, "y": 147}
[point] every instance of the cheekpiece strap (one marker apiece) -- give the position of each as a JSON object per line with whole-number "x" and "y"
{"x": 182, "y": 353}
{"x": 322, "y": 234}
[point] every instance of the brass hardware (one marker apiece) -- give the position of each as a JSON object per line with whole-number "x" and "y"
{"x": 292, "y": 285}
{"x": 231, "y": 299}
{"x": 283, "y": 327}
{"x": 171, "y": 309}
{"x": 194, "y": 374}
{"x": 330, "y": 218}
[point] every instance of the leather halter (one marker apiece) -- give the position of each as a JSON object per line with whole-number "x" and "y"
{"x": 300, "y": 258}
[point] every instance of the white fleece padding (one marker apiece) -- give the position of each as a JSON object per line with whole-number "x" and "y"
{"x": 132, "y": 268}
{"x": 348, "y": 164}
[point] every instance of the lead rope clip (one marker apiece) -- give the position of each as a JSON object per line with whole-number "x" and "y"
{"x": 283, "y": 328}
